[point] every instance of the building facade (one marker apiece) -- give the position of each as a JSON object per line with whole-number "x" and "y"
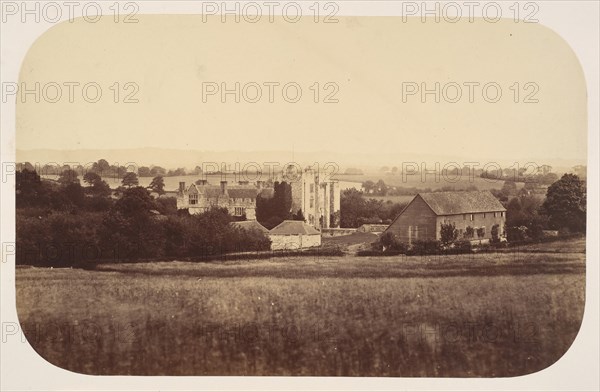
{"x": 317, "y": 195}
{"x": 472, "y": 213}
{"x": 199, "y": 197}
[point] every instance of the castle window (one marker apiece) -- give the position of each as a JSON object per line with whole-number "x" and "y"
{"x": 494, "y": 214}
{"x": 194, "y": 198}
{"x": 312, "y": 188}
{"x": 472, "y": 217}
{"x": 501, "y": 213}
{"x": 464, "y": 216}
{"x": 312, "y": 202}
{"x": 484, "y": 215}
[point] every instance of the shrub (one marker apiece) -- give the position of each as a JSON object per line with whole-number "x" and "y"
{"x": 469, "y": 232}
{"x": 448, "y": 233}
{"x": 425, "y": 247}
{"x": 463, "y": 246}
{"x": 495, "y": 234}
{"x": 391, "y": 243}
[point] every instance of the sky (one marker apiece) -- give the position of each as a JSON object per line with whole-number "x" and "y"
{"x": 370, "y": 65}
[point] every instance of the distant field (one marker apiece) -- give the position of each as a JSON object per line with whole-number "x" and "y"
{"x": 394, "y": 199}
{"x": 430, "y": 181}
{"x": 469, "y": 315}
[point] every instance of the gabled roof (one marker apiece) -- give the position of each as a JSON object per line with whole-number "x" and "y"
{"x": 242, "y": 193}
{"x": 250, "y": 225}
{"x": 291, "y": 227}
{"x": 452, "y": 203}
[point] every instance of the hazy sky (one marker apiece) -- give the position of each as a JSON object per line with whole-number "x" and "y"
{"x": 367, "y": 58}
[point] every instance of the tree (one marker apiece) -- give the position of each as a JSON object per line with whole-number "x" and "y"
{"x": 481, "y": 232}
{"x": 68, "y": 176}
{"x": 130, "y": 179}
{"x": 74, "y": 193}
{"x": 299, "y": 216}
{"x": 391, "y": 243}
{"x": 352, "y": 206}
{"x": 91, "y": 178}
{"x": 129, "y": 228}
{"x": 157, "y": 171}
{"x": 469, "y": 232}
{"x": 368, "y": 186}
{"x": 565, "y": 204}
{"x": 136, "y": 202}
{"x": 381, "y": 188}
{"x": 144, "y": 171}
{"x": 523, "y": 218}
{"x": 448, "y": 233}
{"x": 103, "y": 165}
{"x": 495, "y": 234}
{"x": 157, "y": 185}
{"x": 509, "y": 188}
{"x": 277, "y": 208}
{"x": 29, "y": 189}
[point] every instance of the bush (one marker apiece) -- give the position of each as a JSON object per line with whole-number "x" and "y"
{"x": 463, "y": 246}
{"x": 425, "y": 247}
{"x": 495, "y": 234}
{"x": 392, "y": 244}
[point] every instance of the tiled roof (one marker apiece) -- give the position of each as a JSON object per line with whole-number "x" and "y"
{"x": 250, "y": 225}
{"x": 210, "y": 192}
{"x": 239, "y": 193}
{"x": 450, "y": 203}
{"x": 288, "y": 227}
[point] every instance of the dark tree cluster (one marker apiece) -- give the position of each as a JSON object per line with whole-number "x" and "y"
{"x": 62, "y": 223}
{"x": 272, "y": 211}
{"x": 355, "y": 210}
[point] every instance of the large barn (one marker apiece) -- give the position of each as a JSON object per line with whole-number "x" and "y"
{"x": 423, "y": 217}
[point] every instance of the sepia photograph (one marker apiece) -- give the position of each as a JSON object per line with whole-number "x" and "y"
{"x": 298, "y": 189}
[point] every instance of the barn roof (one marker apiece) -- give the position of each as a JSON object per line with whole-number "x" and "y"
{"x": 451, "y": 203}
{"x": 250, "y": 225}
{"x": 291, "y": 227}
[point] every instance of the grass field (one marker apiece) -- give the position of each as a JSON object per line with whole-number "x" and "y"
{"x": 403, "y": 199}
{"x": 467, "y": 315}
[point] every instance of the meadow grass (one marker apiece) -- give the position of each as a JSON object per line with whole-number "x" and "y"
{"x": 480, "y": 315}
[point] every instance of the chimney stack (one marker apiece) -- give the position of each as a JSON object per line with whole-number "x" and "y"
{"x": 223, "y": 187}
{"x": 181, "y": 186}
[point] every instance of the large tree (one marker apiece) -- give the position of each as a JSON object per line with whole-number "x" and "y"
{"x": 272, "y": 211}
{"x": 67, "y": 177}
{"x": 97, "y": 186}
{"x": 565, "y": 204}
{"x": 157, "y": 185}
{"x": 448, "y": 233}
{"x": 130, "y": 179}
{"x": 524, "y": 219}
